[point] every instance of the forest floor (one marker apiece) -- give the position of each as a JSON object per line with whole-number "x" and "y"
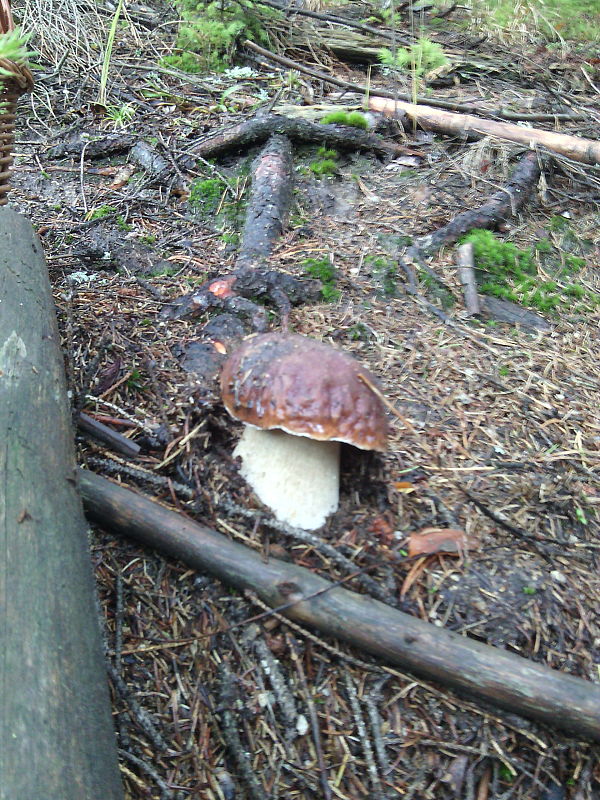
{"x": 496, "y": 412}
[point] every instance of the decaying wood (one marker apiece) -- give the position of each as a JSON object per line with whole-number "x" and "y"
{"x": 269, "y": 205}
{"x": 466, "y": 276}
{"x": 501, "y": 205}
{"x": 267, "y": 209}
{"x": 497, "y": 676}
{"x": 586, "y": 151}
{"x": 258, "y": 130}
{"x": 56, "y": 730}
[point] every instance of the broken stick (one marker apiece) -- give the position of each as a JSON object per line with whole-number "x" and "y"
{"x": 499, "y": 677}
{"x": 586, "y": 151}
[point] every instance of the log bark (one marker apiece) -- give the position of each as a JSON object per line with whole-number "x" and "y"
{"x": 499, "y": 677}
{"x": 56, "y": 733}
{"x": 466, "y": 276}
{"x": 269, "y": 203}
{"x": 587, "y": 151}
{"x": 259, "y": 129}
{"x": 268, "y": 206}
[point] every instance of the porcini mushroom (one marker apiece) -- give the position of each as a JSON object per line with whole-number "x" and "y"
{"x": 299, "y": 399}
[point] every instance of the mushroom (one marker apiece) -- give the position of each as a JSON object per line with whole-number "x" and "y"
{"x": 299, "y": 399}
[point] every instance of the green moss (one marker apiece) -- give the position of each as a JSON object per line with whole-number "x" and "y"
{"x": 353, "y": 119}
{"x": 543, "y": 246}
{"x": 101, "y": 212}
{"x": 325, "y": 166}
{"x": 558, "y": 223}
{"x": 324, "y": 271}
{"x": 505, "y": 271}
{"x": 205, "y": 195}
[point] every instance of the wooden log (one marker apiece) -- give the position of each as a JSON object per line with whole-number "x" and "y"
{"x": 502, "y": 678}
{"x": 466, "y": 276}
{"x": 257, "y": 130}
{"x": 269, "y": 203}
{"x": 56, "y": 734}
{"x": 587, "y": 151}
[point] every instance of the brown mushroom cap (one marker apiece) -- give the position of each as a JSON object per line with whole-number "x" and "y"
{"x": 303, "y": 387}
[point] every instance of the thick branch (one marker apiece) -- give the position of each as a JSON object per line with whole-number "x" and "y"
{"x": 434, "y": 119}
{"x": 499, "y": 207}
{"x": 257, "y": 130}
{"x": 269, "y": 202}
{"x": 507, "y": 680}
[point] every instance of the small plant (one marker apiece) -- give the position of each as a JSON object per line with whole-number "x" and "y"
{"x": 323, "y": 270}
{"x": 419, "y": 58}
{"x": 385, "y": 273}
{"x": 358, "y": 332}
{"x": 210, "y": 30}
{"x": 110, "y": 41}
{"x": 120, "y": 116}
{"x": 134, "y": 381}
{"x": 13, "y": 47}
{"x": 529, "y": 590}
{"x": 148, "y": 238}
{"x": 353, "y": 119}
{"x": 165, "y": 272}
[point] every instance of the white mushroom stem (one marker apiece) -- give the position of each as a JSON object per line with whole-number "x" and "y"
{"x": 298, "y": 478}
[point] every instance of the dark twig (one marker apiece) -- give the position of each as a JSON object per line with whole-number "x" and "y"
{"x": 113, "y": 439}
{"x": 135, "y": 711}
{"x": 231, "y": 735}
{"x": 312, "y": 713}
{"x": 363, "y": 735}
{"x": 165, "y": 792}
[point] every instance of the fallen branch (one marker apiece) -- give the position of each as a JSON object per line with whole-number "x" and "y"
{"x": 466, "y": 276}
{"x": 267, "y": 208}
{"x": 586, "y": 151}
{"x": 372, "y": 91}
{"x": 502, "y": 678}
{"x": 505, "y": 203}
{"x": 258, "y": 130}
{"x": 105, "y": 434}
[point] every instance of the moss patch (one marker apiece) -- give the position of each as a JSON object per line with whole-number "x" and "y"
{"x": 354, "y": 119}
{"x": 507, "y": 272}
{"x": 323, "y": 270}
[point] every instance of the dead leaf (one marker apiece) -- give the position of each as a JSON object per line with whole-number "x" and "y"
{"x": 414, "y": 572}
{"x": 107, "y": 377}
{"x": 437, "y": 540}
{"x": 122, "y": 176}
